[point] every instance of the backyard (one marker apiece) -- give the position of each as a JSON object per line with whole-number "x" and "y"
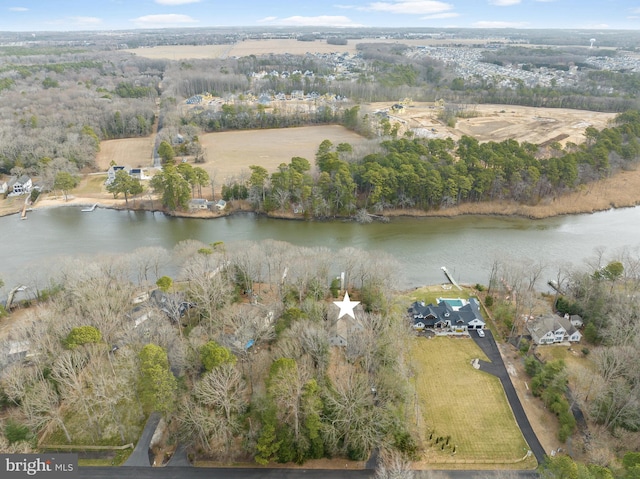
{"x": 465, "y": 406}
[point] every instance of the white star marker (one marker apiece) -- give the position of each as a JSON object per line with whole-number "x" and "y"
{"x": 346, "y": 306}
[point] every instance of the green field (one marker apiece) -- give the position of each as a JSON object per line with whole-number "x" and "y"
{"x": 463, "y": 403}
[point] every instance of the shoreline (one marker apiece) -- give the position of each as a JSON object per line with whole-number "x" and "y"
{"x": 619, "y": 191}
{"x": 499, "y": 209}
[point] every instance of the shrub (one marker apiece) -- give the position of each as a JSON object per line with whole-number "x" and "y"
{"x": 15, "y": 432}
{"x": 82, "y": 335}
{"x": 488, "y": 301}
{"x": 214, "y": 355}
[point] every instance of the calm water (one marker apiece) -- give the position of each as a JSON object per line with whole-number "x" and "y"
{"x": 466, "y": 245}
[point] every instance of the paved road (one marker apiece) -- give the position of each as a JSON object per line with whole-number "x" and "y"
{"x": 140, "y": 455}
{"x": 179, "y": 458}
{"x": 240, "y": 473}
{"x": 497, "y": 368}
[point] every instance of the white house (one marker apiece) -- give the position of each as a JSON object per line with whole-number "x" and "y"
{"x": 113, "y": 169}
{"x": 553, "y": 329}
{"x": 20, "y": 186}
{"x": 138, "y": 173}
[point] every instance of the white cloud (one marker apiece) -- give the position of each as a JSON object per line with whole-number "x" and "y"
{"x": 165, "y": 20}
{"x": 410, "y": 7}
{"x": 18, "y": 9}
{"x": 635, "y": 10}
{"x": 440, "y": 15}
{"x": 504, "y": 3}
{"x": 319, "y": 21}
{"x": 175, "y": 2}
{"x": 88, "y": 21}
{"x": 498, "y": 24}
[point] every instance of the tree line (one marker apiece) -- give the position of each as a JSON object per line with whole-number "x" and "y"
{"x": 436, "y": 173}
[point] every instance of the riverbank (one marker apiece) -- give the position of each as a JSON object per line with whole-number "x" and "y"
{"x": 619, "y": 191}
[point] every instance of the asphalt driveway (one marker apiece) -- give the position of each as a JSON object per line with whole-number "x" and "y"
{"x": 497, "y": 368}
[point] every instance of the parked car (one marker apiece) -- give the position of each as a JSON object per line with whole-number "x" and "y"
{"x": 481, "y": 333}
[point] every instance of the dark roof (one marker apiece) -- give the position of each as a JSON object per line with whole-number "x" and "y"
{"x": 443, "y": 312}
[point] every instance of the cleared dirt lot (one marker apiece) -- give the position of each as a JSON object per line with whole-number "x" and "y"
{"x": 502, "y": 122}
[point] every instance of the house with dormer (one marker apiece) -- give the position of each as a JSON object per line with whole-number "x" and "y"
{"x": 19, "y": 186}
{"x": 552, "y": 329}
{"x": 452, "y": 315}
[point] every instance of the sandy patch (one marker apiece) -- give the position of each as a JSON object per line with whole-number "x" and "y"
{"x": 502, "y": 122}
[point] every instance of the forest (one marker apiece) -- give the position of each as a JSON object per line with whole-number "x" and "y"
{"x": 234, "y": 349}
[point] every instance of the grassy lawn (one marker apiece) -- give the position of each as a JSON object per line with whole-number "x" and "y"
{"x": 466, "y": 404}
{"x": 430, "y": 294}
{"x": 93, "y": 184}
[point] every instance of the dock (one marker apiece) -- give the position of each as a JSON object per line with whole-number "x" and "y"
{"x": 90, "y": 208}
{"x": 450, "y": 278}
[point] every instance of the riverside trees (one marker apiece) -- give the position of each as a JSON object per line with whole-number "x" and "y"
{"x": 239, "y": 373}
{"x": 437, "y": 173}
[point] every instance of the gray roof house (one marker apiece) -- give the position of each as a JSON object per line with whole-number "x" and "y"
{"x": 455, "y": 315}
{"x": 343, "y": 329}
{"x": 553, "y": 329}
{"x": 20, "y": 186}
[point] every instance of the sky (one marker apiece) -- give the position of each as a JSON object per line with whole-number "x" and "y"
{"x": 65, "y": 15}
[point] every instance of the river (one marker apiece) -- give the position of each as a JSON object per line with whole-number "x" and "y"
{"x": 465, "y": 245}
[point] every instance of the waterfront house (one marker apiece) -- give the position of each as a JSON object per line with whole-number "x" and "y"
{"x": 113, "y": 169}
{"x": 552, "y": 329}
{"x": 138, "y": 173}
{"x": 456, "y": 315}
{"x": 19, "y": 186}
{"x": 199, "y": 204}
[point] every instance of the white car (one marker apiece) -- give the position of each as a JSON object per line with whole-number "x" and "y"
{"x": 481, "y": 333}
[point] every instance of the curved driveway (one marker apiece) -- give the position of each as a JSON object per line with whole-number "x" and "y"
{"x": 497, "y": 368}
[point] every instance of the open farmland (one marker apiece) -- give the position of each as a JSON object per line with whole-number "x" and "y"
{"x": 502, "y": 122}
{"x": 133, "y": 152}
{"x": 243, "y": 49}
{"x": 183, "y": 52}
{"x": 279, "y": 46}
{"x": 466, "y": 404}
{"x": 229, "y": 154}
